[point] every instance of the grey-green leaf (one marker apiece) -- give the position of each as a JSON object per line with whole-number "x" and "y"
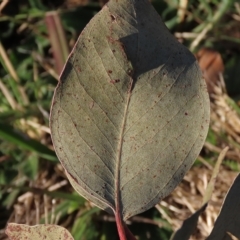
{"x": 228, "y": 221}
{"x": 131, "y": 111}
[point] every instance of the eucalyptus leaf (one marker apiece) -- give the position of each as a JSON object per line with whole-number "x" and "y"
{"x": 38, "y": 232}
{"x": 131, "y": 111}
{"x": 189, "y": 225}
{"x": 228, "y": 221}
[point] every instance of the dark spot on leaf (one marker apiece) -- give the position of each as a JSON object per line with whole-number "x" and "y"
{"x": 115, "y": 81}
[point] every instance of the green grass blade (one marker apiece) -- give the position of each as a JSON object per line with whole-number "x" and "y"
{"x": 8, "y": 133}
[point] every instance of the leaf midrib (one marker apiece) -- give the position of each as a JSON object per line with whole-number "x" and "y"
{"x": 119, "y": 154}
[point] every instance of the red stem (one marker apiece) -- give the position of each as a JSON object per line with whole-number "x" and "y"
{"x": 120, "y": 226}
{"x": 128, "y": 233}
{"x": 123, "y": 231}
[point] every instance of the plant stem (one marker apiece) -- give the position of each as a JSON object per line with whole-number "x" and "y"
{"x": 123, "y": 231}
{"x": 120, "y": 225}
{"x": 128, "y": 233}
